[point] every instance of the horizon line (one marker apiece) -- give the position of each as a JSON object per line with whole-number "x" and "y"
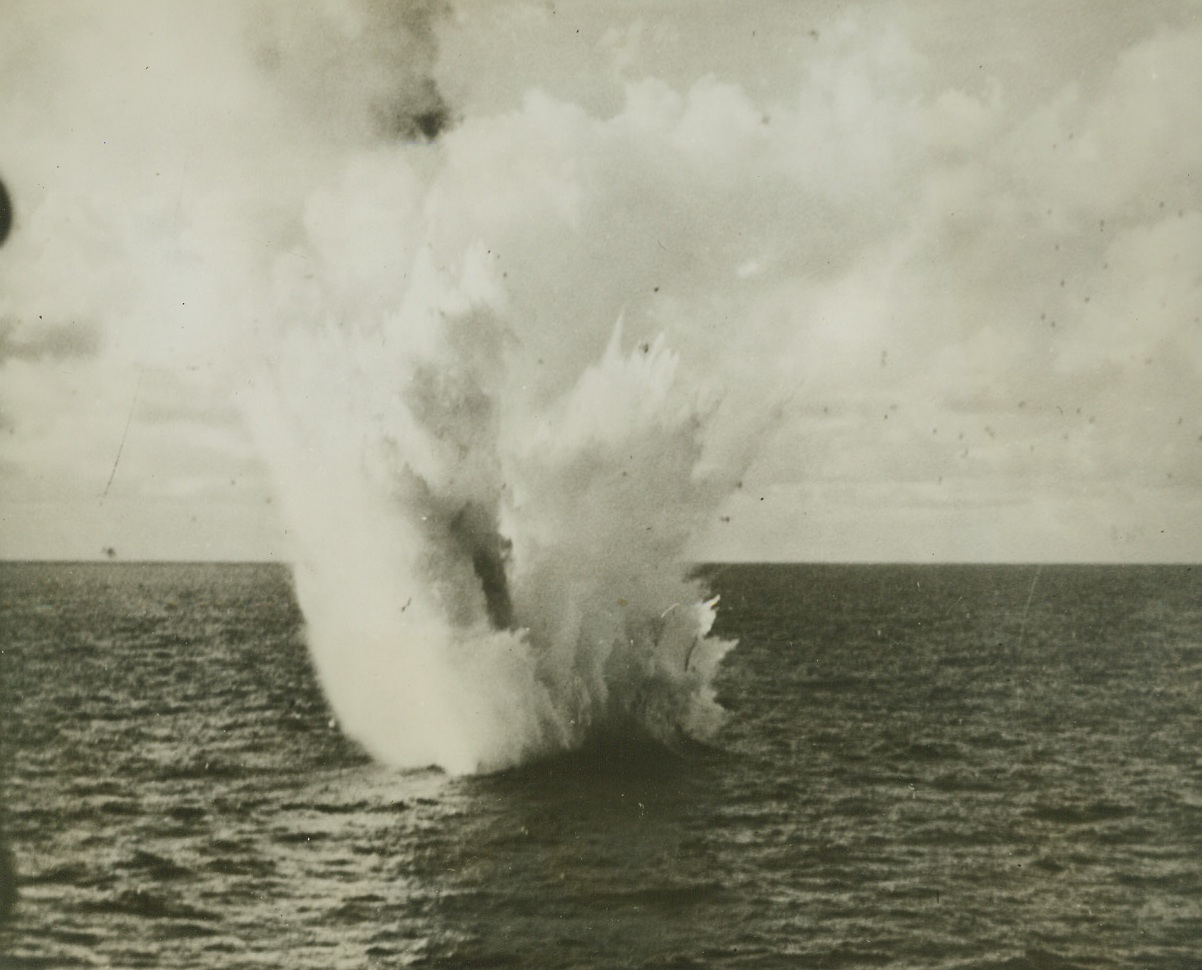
{"x": 4, "y": 560}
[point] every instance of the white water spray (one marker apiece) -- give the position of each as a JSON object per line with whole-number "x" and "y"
{"x": 490, "y": 569}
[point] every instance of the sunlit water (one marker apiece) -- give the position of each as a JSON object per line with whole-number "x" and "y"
{"x": 923, "y": 767}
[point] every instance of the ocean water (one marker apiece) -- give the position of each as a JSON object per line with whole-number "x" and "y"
{"x": 923, "y": 767}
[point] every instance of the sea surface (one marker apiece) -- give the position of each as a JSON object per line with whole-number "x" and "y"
{"x": 923, "y": 767}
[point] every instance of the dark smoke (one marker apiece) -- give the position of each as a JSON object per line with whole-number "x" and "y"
{"x": 6, "y": 213}
{"x": 424, "y": 121}
{"x": 474, "y": 530}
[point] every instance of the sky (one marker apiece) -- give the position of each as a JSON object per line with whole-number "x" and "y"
{"x": 937, "y": 263}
